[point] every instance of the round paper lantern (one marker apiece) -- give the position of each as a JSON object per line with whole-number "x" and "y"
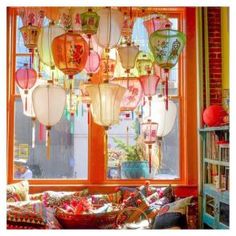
{"x": 214, "y": 115}
{"x": 70, "y": 52}
{"x": 105, "y": 102}
{"x": 26, "y": 78}
{"x": 109, "y": 29}
{"x": 133, "y": 94}
{"x": 128, "y": 56}
{"x": 156, "y": 23}
{"x": 93, "y": 62}
{"x": 46, "y": 36}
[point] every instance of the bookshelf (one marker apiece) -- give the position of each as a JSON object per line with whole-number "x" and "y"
{"x": 214, "y": 186}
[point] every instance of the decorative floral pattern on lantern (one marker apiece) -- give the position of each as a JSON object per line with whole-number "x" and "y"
{"x": 156, "y": 23}
{"x": 166, "y": 46}
{"x": 46, "y": 36}
{"x": 93, "y": 62}
{"x": 109, "y": 29}
{"x": 149, "y": 131}
{"x": 107, "y": 66}
{"x": 90, "y": 21}
{"x": 127, "y": 27}
{"x": 105, "y": 102}
{"x": 70, "y": 52}
{"x": 30, "y": 35}
{"x": 133, "y": 94}
{"x": 128, "y": 56}
{"x": 144, "y": 63}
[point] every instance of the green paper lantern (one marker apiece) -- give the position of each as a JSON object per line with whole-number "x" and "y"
{"x": 166, "y": 46}
{"x": 90, "y": 21}
{"x": 144, "y": 63}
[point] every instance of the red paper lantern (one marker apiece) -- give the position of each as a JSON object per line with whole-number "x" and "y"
{"x": 70, "y": 52}
{"x": 214, "y": 115}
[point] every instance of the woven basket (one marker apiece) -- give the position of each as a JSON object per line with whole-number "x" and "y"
{"x": 87, "y": 221}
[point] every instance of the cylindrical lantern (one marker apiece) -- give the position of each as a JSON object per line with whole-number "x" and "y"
{"x": 128, "y": 56}
{"x": 133, "y": 94}
{"x": 156, "y": 23}
{"x": 149, "y": 132}
{"x": 70, "y": 52}
{"x": 90, "y": 22}
{"x": 93, "y": 62}
{"x": 46, "y": 36}
{"x": 127, "y": 27}
{"x": 166, "y": 46}
{"x": 149, "y": 85}
{"x": 105, "y": 102}
{"x": 107, "y": 66}
{"x": 109, "y": 29}
{"x": 144, "y": 63}
{"x": 48, "y": 102}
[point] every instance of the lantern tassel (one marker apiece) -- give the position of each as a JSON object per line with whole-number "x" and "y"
{"x": 40, "y": 132}
{"x": 150, "y": 157}
{"x": 150, "y": 106}
{"x": 166, "y": 88}
{"x": 33, "y": 132}
{"x": 105, "y": 147}
{"x": 48, "y": 142}
{"x": 26, "y": 105}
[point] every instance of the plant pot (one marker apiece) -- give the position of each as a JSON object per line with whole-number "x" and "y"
{"x": 134, "y": 170}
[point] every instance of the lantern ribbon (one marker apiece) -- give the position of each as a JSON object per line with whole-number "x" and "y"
{"x": 48, "y": 142}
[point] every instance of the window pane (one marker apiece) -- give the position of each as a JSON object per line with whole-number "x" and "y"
{"x": 69, "y": 146}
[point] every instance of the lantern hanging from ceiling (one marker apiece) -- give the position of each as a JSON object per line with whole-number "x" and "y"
{"x": 128, "y": 56}
{"x": 149, "y": 85}
{"x": 144, "y": 63}
{"x": 109, "y": 29}
{"x": 133, "y": 94}
{"x": 149, "y": 132}
{"x": 90, "y": 22}
{"x": 93, "y": 63}
{"x": 70, "y": 52}
{"x": 48, "y": 103}
{"x": 127, "y": 27}
{"x": 26, "y": 78}
{"x": 156, "y": 23}
{"x": 46, "y": 36}
{"x": 85, "y": 98}
{"x": 107, "y": 66}
{"x": 166, "y": 46}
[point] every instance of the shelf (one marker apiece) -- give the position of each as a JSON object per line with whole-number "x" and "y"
{"x": 209, "y": 129}
{"x": 215, "y": 162}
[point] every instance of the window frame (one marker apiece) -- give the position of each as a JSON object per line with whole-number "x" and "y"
{"x": 97, "y": 172}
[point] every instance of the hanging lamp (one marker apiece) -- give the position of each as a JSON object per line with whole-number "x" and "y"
{"x": 149, "y": 132}
{"x": 144, "y": 63}
{"x": 166, "y": 46}
{"x": 48, "y": 103}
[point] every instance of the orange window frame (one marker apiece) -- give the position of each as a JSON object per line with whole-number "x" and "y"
{"x": 97, "y": 164}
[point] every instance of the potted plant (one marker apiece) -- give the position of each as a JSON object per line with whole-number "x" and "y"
{"x": 134, "y": 164}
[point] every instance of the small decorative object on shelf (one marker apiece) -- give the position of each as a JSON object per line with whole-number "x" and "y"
{"x": 215, "y": 177}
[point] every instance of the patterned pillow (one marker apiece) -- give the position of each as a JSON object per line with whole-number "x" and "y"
{"x": 58, "y": 199}
{"x": 104, "y": 198}
{"x": 26, "y": 214}
{"x": 177, "y": 206}
{"x": 36, "y": 196}
{"x": 126, "y": 191}
{"x": 18, "y": 191}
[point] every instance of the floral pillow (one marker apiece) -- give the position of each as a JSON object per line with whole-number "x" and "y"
{"x": 18, "y": 191}
{"x": 26, "y": 214}
{"x": 58, "y": 199}
{"x": 104, "y": 198}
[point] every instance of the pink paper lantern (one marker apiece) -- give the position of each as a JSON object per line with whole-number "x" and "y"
{"x": 156, "y": 23}
{"x": 133, "y": 94}
{"x": 93, "y": 62}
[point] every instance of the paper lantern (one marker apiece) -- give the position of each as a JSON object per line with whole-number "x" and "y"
{"x": 128, "y": 56}
{"x": 93, "y": 62}
{"x": 149, "y": 85}
{"x": 133, "y": 94}
{"x": 127, "y": 27}
{"x": 84, "y": 94}
{"x": 70, "y": 52}
{"x": 156, "y": 23}
{"x": 109, "y": 29}
{"x": 107, "y": 66}
{"x": 144, "y": 63}
{"x": 149, "y": 132}
{"x": 46, "y": 36}
{"x": 214, "y": 115}
{"x": 166, "y": 46}
{"x": 90, "y": 21}
{"x": 105, "y": 102}
{"x": 48, "y": 103}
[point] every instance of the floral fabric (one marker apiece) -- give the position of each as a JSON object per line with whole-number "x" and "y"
{"x": 18, "y": 191}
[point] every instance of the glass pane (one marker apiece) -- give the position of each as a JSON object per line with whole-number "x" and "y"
{"x": 122, "y": 139}
{"x": 224, "y": 213}
{"x": 210, "y": 205}
{"x": 69, "y": 147}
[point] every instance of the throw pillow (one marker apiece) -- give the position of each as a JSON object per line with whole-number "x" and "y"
{"x": 18, "y": 191}
{"x": 104, "y": 198}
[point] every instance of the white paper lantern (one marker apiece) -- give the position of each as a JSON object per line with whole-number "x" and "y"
{"x": 109, "y": 29}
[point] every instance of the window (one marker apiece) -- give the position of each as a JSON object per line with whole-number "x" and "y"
{"x": 77, "y": 154}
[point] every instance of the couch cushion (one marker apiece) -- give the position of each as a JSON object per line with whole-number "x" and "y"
{"x": 18, "y": 191}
